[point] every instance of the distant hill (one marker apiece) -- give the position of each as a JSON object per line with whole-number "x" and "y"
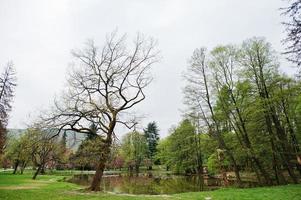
{"x": 74, "y": 139}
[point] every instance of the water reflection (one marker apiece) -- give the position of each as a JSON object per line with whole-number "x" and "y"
{"x": 150, "y": 184}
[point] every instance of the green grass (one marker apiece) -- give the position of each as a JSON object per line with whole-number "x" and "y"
{"x": 14, "y": 187}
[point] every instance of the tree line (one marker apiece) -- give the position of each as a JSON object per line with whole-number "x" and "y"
{"x": 33, "y": 149}
{"x": 246, "y": 110}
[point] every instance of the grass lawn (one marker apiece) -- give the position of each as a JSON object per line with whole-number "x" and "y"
{"x": 14, "y": 187}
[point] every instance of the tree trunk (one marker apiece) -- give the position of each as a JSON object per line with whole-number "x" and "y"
{"x": 37, "y": 172}
{"x": 263, "y": 172}
{"x": 23, "y": 167}
{"x": 257, "y": 173}
{"x": 293, "y": 136}
{"x": 216, "y": 124}
{"x": 236, "y": 169}
{"x": 16, "y": 167}
{"x": 280, "y": 132}
{"x": 247, "y": 143}
{"x": 284, "y": 147}
{"x": 95, "y": 185}
{"x": 276, "y": 166}
{"x": 43, "y": 169}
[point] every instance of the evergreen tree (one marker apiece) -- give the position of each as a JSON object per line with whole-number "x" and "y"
{"x": 151, "y": 134}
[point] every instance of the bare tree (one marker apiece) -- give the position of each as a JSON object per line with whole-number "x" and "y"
{"x": 7, "y": 86}
{"x": 108, "y": 82}
{"x": 293, "y": 30}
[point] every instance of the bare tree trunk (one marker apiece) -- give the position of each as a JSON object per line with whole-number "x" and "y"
{"x": 95, "y": 185}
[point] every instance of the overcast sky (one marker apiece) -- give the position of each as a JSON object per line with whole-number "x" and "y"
{"x": 39, "y": 35}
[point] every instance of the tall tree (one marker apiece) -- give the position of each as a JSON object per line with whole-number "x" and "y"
{"x": 108, "y": 82}
{"x": 261, "y": 69}
{"x": 231, "y": 98}
{"x": 249, "y": 108}
{"x": 198, "y": 96}
{"x": 151, "y": 133}
{"x": 7, "y": 88}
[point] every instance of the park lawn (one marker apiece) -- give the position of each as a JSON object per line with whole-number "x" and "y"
{"x": 14, "y": 187}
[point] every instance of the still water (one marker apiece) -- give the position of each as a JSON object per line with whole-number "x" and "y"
{"x": 148, "y": 184}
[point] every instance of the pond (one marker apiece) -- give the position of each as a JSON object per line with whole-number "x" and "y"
{"x": 149, "y": 184}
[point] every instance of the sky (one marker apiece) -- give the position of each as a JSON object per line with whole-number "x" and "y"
{"x": 38, "y": 36}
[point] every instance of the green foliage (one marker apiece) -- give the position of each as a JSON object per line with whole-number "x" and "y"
{"x": 249, "y": 108}
{"x": 134, "y": 149}
{"x": 88, "y": 153}
{"x": 37, "y": 148}
{"x": 213, "y": 164}
{"x": 179, "y": 150}
{"x": 164, "y": 154}
{"x": 20, "y": 150}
